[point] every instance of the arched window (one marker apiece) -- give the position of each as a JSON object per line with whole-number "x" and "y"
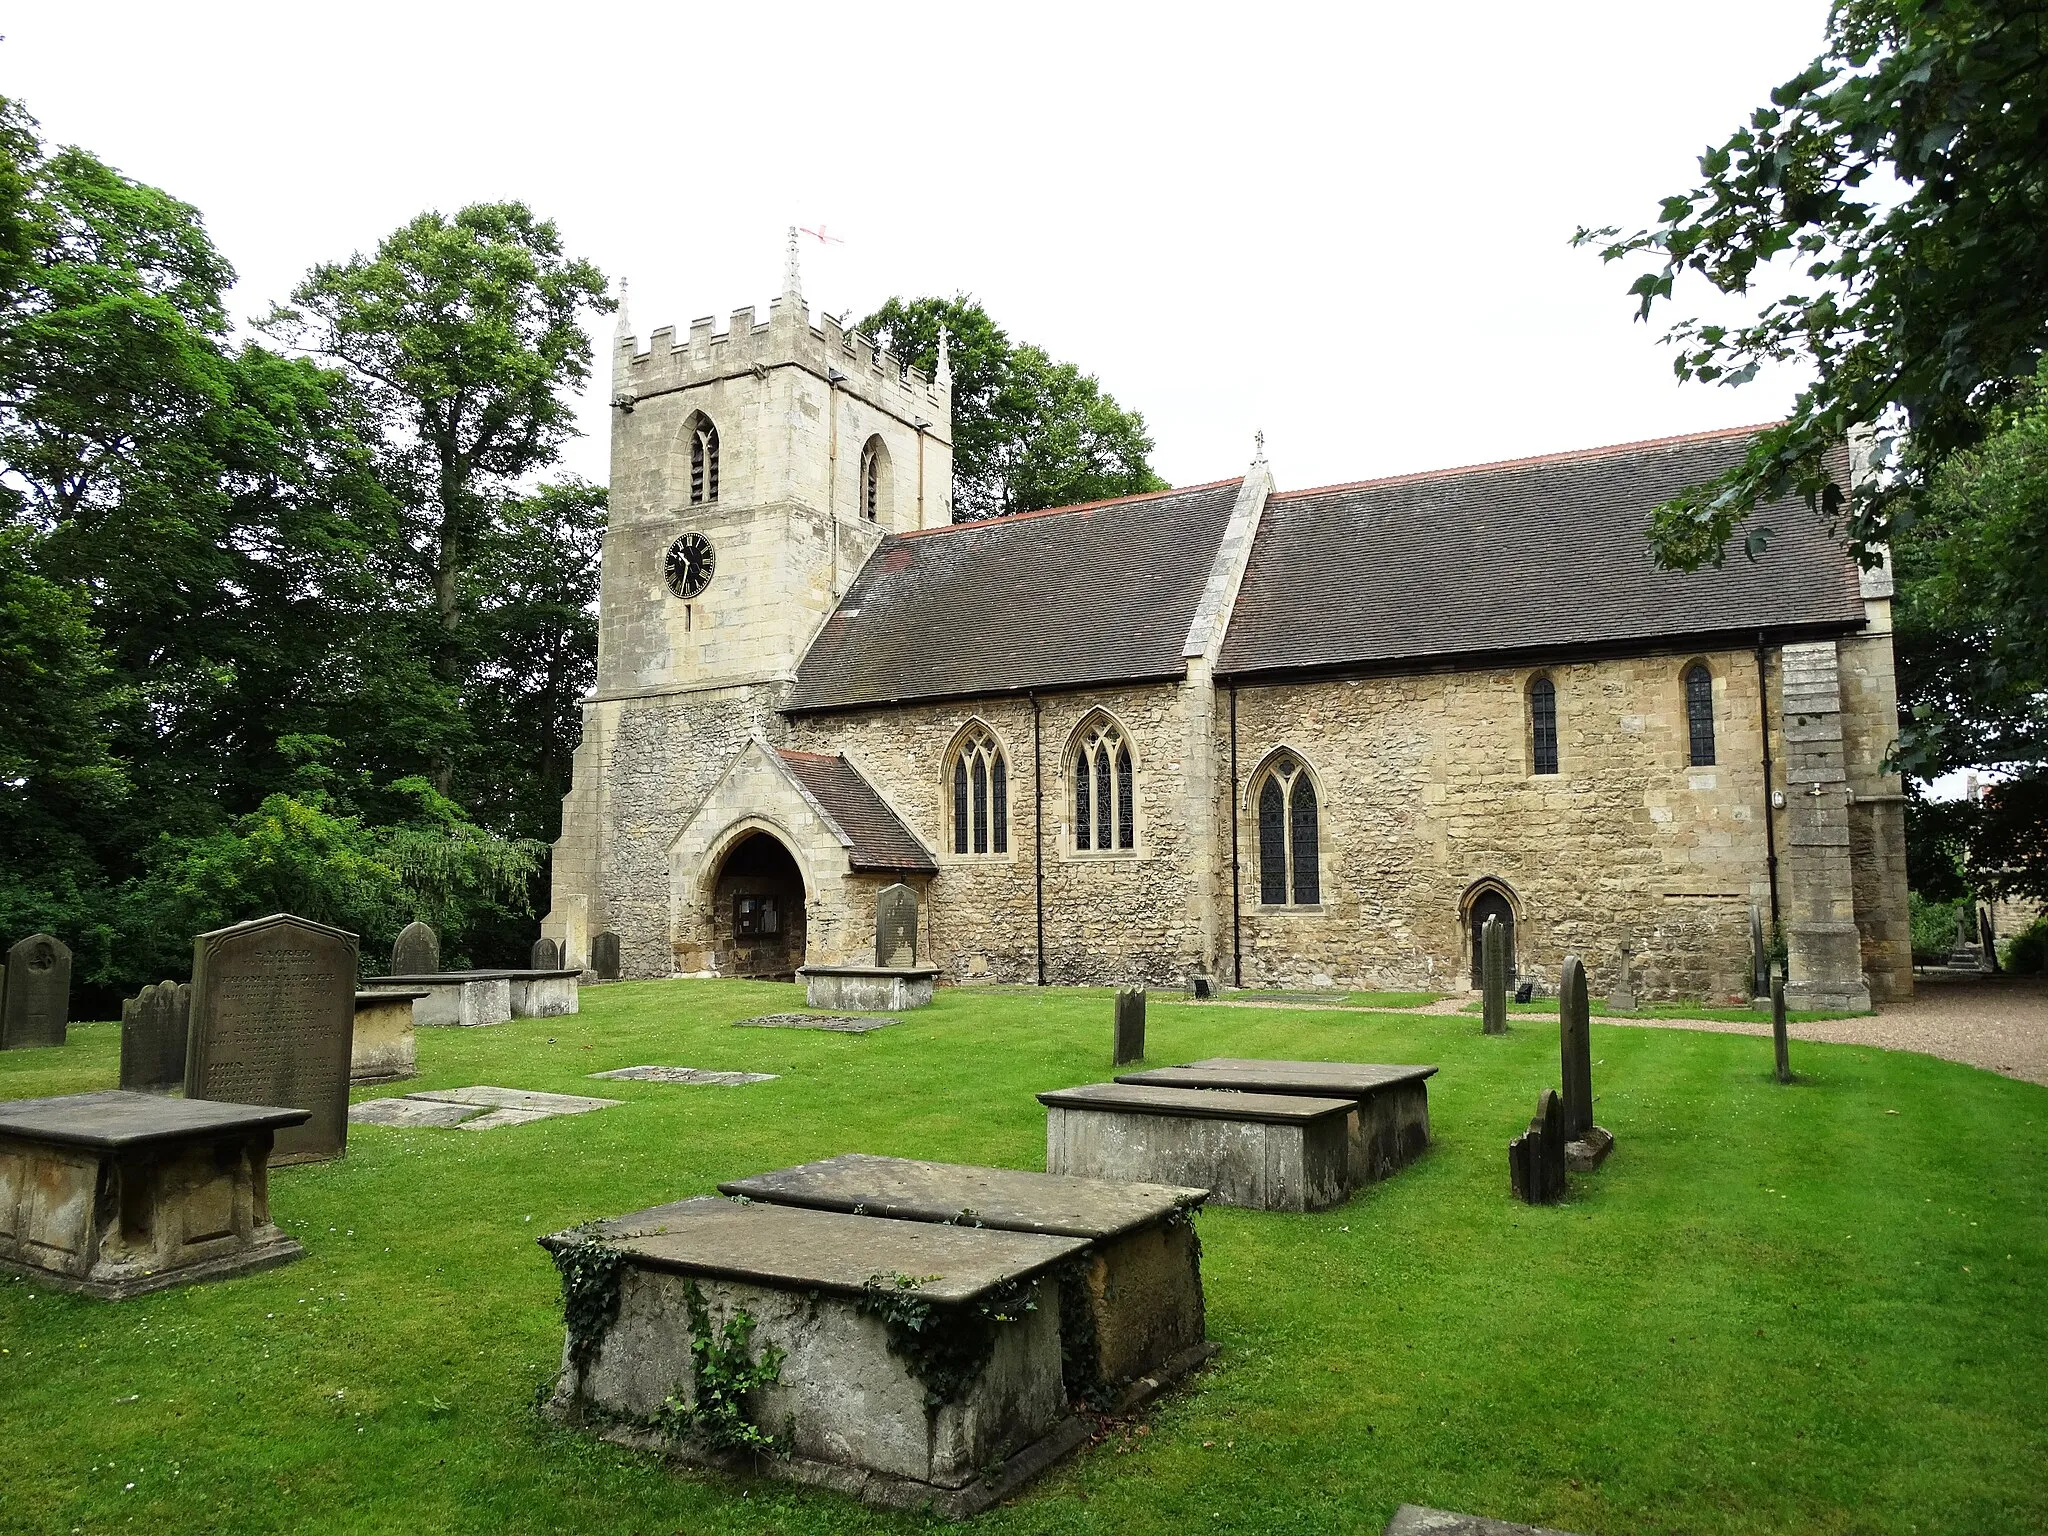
{"x": 1290, "y": 842}
{"x": 981, "y": 795}
{"x": 874, "y": 479}
{"x": 1105, "y": 788}
{"x": 703, "y": 460}
{"x": 1543, "y": 726}
{"x": 1699, "y": 714}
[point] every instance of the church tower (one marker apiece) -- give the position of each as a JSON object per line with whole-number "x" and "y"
{"x": 753, "y": 472}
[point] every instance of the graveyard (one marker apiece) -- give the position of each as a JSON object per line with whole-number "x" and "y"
{"x": 1812, "y": 1306}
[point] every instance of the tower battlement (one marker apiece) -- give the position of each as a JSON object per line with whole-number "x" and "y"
{"x": 704, "y": 355}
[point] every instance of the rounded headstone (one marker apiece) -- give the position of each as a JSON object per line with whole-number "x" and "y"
{"x": 417, "y": 952}
{"x": 35, "y": 1001}
{"x": 604, "y": 956}
{"x": 547, "y": 956}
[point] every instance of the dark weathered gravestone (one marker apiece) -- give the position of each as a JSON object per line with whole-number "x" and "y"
{"x": 1526, "y": 992}
{"x": 417, "y": 952}
{"x": 546, "y": 956}
{"x": 1575, "y": 1047}
{"x": 1536, "y": 1157}
{"x": 1759, "y": 956}
{"x": 896, "y": 926}
{"x": 273, "y": 1022}
{"x": 1623, "y": 998}
{"x": 1204, "y": 989}
{"x": 1778, "y": 1038}
{"x": 154, "y": 1028}
{"x": 1493, "y": 975}
{"x": 35, "y": 998}
{"x": 1130, "y": 1026}
{"x": 604, "y": 956}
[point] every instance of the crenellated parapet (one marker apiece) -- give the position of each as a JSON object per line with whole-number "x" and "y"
{"x": 706, "y": 355}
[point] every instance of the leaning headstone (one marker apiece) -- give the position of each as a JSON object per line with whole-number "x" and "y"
{"x": 35, "y": 998}
{"x": 1536, "y": 1157}
{"x": 154, "y": 1027}
{"x": 417, "y": 952}
{"x": 546, "y": 956}
{"x": 1778, "y": 1040}
{"x": 1493, "y": 975}
{"x": 273, "y": 1022}
{"x": 896, "y": 926}
{"x": 1759, "y": 956}
{"x": 1130, "y": 1026}
{"x": 1586, "y": 1144}
{"x": 1203, "y": 988}
{"x": 1623, "y": 998}
{"x": 604, "y": 956}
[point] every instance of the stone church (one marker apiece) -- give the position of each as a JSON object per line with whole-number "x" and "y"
{"x": 1278, "y": 738}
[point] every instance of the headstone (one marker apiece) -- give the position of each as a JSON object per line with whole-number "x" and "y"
{"x": 546, "y": 956}
{"x": 273, "y": 1021}
{"x": 1988, "y": 937}
{"x": 1575, "y": 1048}
{"x": 1204, "y": 989}
{"x": 1964, "y": 954}
{"x": 35, "y": 998}
{"x": 1526, "y": 992}
{"x": 1493, "y": 972}
{"x": 417, "y": 952}
{"x": 1759, "y": 956}
{"x": 604, "y": 956}
{"x": 1536, "y": 1157}
{"x": 1130, "y": 1026}
{"x": 1778, "y": 1037}
{"x": 1623, "y": 998}
{"x": 154, "y": 1028}
{"x": 896, "y": 926}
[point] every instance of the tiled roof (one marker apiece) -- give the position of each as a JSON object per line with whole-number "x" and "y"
{"x": 1092, "y": 594}
{"x": 881, "y": 841}
{"x": 1534, "y": 555}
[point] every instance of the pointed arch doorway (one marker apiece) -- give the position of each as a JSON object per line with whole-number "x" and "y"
{"x": 757, "y": 910}
{"x": 1491, "y": 901}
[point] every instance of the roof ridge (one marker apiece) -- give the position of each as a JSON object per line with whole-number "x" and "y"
{"x": 1567, "y": 456}
{"x": 1078, "y": 506}
{"x": 814, "y": 757}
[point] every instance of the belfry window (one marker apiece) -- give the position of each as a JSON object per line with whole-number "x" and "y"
{"x": 873, "y": 478}
{"x": 1105, "y": 789}
{"x": 1699, "y": 714}
{"x": 1290, "y": 837}
{"x": 1543, "y": 726}
{"x": 981, "y": 795}
{"x": 703, "y": 461}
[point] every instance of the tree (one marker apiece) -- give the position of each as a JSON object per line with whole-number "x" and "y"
{"x": 1027, "y": 432}
{"x": 1897, "y": 187}
{"x": 462, "y": 336}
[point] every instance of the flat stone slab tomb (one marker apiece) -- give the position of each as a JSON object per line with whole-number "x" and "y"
{"x": 383, "y": 1048}
{"x": 688, "y": 1076}
{"x": 473, "y": 1109}
{"x": 1389, "y": 1125}
{"x": 868, "y": 988}
{"x": 471, "y": 999}
{"x": 1267, "y": 1151}
{"x": 838, "y": 1024}
{"x": 116, "y": 1194}
{"x": 1414, "y": 1520}
{"x": 856, "y": 1409}
{"x": 1133, "y": 1322}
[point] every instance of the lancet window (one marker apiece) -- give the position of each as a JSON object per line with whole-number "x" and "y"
{"x": 1699, "y": 714}
{"x": 1290, "y": 835}
{"x": 1543, "y": 726}
{"x": 981, "y": 795}
{"x": 1105, "y": 789}
{"x": 703, "y": 461}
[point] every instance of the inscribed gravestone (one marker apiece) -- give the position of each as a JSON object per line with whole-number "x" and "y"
{"x": 547, "y": 956}
{"x": 417, "y": 952}
{"x": 1575, "y": 1045}
{"x": 1536, "y": 1163}
{"x": 154, "y": 1028}
{"x": 896, "y": 927}
{"x": 273, "y": 1022}
{"x": 1493, "y": 975}
{"x": 1129, "y": 1045}
{"x": 604, "y": 956}
{"x": 35, "y": 999}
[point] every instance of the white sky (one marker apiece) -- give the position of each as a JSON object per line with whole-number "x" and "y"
{"x": 1346, "y": 225}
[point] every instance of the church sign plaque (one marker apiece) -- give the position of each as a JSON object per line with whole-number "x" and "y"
{"x": 896, "y": 926}
{"x": 273, "y": 1022}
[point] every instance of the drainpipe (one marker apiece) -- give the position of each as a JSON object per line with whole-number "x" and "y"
{"x": 1038, "y": 834}
{"x": 1763, "y": 708}
{"x": 1236, "y": 905}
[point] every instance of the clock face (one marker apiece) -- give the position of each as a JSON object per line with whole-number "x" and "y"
{"x": 690, "y": 563}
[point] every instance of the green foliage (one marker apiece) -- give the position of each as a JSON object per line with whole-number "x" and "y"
{"x": 1028, "y": 432}
{"x": 1895, "y": 193}
{"x": 724, "y": 1375}
{"x": 1934, "y": 926}
{"x": 590, "y": 1270}
{"x": 947, "y": 1345}
{"x": 2026, "y": 952}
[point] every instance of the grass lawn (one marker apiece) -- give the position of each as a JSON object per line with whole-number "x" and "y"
{"x": 1816, "y": 1308}
{"x": 1674, "y": 1011}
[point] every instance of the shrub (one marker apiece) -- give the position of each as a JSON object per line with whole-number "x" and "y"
{"x": 2026, "y": 952}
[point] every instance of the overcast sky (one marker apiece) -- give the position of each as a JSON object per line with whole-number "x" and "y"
{"x": 1345, "y": 225}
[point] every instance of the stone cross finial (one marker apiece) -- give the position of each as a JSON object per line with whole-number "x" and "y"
{"x": 1259, "y": 446}
{"x": 943, "y": 374}
{"x": 622, "y": 328}
{"x": 792, "y": 287}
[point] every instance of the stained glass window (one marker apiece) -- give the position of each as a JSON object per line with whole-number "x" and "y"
{"x": 981, "y": 811}
{"x": 1302, "y": 850}
{"x": 960, "y": 804}
{"x": 1082, "y": 824}
{"x": 1125, "y": 793}
{"x": 1290, "y": 845}
{"x": 1699, "y": 713}
{"x": 980, "y": 804}
{"x": 1273, "y": 842}
{"x": 999, "y": 805}
{"x": 1543, "y": 726}
{"x": 1105, "y": 789}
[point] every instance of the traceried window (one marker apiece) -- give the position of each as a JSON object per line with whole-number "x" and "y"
{"x": 1290, "y": 838}
{"x": 1699, "y": 714}
{"x": 981, "y": 795}
{"x": 1105, "y": 789}
{"x": 874, "y": 467}
{"x": 703, "y": 460}
{"x": 1543, "y": 726}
